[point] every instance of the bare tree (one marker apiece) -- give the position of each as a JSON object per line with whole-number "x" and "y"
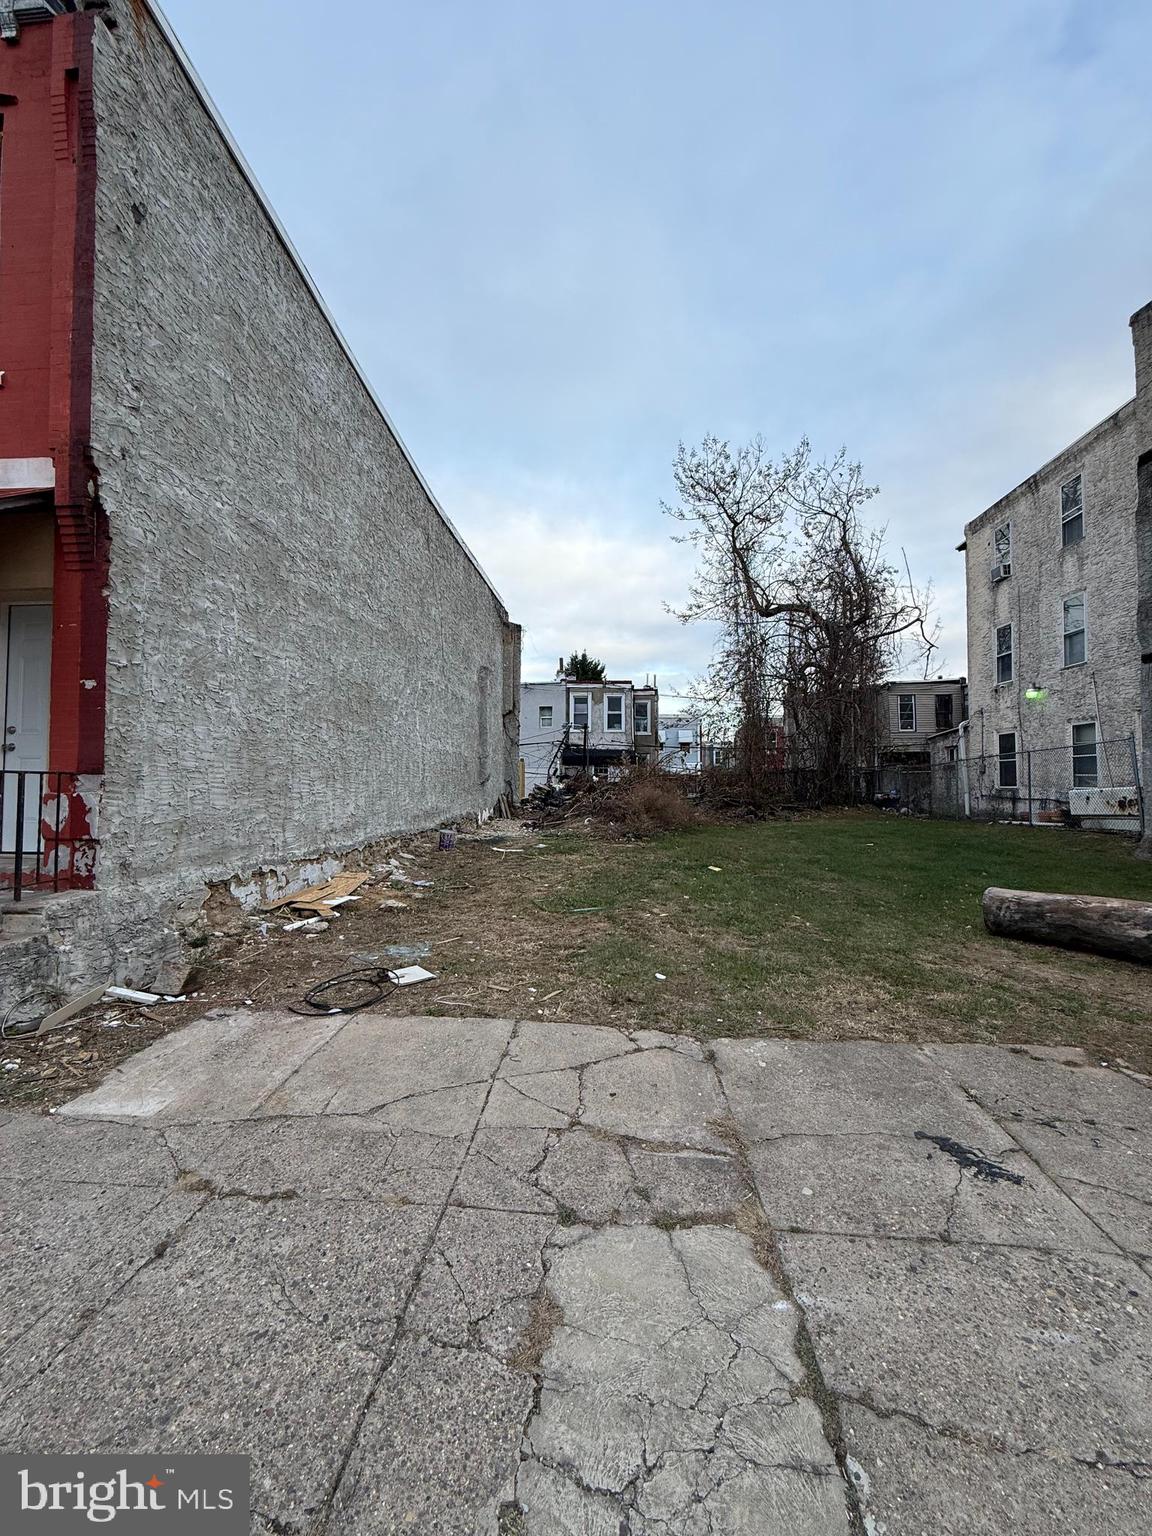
{"x": 812, "y": 614}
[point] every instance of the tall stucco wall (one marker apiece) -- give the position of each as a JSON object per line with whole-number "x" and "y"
{"x": 1142, "y": 344}
{"x": 1102, "y": 565}
{"x": 302, "y": 656}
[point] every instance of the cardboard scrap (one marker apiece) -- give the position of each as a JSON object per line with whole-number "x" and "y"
{"x": 317, "y": 898}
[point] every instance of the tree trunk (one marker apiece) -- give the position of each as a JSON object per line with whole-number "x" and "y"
{"x": 1100, "y": 923}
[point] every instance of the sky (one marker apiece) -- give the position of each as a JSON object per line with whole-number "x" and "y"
{"x": 562, "y": 238}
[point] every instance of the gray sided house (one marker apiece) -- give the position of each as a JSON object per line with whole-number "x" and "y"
{"x": 912, "y": 713}
{"x": 567, "y": 726}
{"x": 1056, "y": 597}
{"x": 286, "y": 650}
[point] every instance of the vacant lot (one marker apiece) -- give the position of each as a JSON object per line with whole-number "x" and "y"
{"x": 853, "y": 925}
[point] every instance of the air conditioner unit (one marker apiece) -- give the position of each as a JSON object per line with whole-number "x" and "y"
{"x": 1001, "y": 569}
{"x": 1114, "y": 808}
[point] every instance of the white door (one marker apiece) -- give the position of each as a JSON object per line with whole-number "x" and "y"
{"x": 28, "y": 676}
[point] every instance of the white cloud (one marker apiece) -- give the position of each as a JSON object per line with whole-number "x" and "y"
{"x": 575, "y": 576}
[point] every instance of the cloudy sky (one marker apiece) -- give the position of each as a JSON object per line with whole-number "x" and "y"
{"x": 562, "y": 237}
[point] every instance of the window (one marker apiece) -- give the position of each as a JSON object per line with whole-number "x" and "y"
{"x": 613, "y": 711}
{"x": 1009, "y": 777}
{"x": 1004, "y": 654}
{"x": 1002, "y": 551}
{"x": 545, "y": 717}
{"x": 1072, "y": 510}
{"x": 642, "y": 717}
{"x": 907, "y": 707}
{"x": 581, "y": 708}
{"x": 1075, "y": 631}
{"x": 944, "y": 711}
{"x": 1085, "y": 759}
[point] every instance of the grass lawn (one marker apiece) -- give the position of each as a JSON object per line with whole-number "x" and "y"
{"x": 844, "y": 926}
{"x": 859, "y": 924}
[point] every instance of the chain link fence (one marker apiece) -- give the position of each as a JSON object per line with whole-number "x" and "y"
{"x": 1091, "y": 784}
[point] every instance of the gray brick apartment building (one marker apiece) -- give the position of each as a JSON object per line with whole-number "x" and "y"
{"x": 241, "y": 635}
{"x": 1055, "y": 595}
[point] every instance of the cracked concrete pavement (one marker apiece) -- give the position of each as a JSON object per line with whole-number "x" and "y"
{"x": 527, "y": 1279}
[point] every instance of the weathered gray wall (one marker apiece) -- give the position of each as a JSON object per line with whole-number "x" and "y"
{"x": 1103, "y": 565}
{"x": 302, "y": 657}
{"x": 1142, "y": 343}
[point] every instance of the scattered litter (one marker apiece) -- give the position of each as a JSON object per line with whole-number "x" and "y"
{"x": 423, "y": 882}
{"x": 591, "y": 909}
{"x": 716, "y": 869}
{"x": 130, "y": 995}
{"x": 408, "y": 975}
{"x": 407, "y": 951}
{"x": 551, "y": 995}
{"x": 447, "y": 842}
{"x": 409, "y": 856}
{"x": 353, "y": 991}
{"x": 338, "y": 901}
{"x": 317, "y": 897}
{"x": 390, "y": 901}
{"x": 61, "y": 1016}
{"x": 660, "y": 976}
{"x": 10, "y": 1066}
{"x": 317, "y": 924}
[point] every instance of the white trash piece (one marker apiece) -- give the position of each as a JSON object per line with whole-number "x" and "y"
{"x": 130, "y": 995}
{"x": 407, "y": 975}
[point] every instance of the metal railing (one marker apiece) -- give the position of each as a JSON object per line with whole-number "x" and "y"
{"x": 36, "y": 841}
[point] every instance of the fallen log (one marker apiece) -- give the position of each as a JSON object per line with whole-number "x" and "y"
{"x": 1104, "y": 924}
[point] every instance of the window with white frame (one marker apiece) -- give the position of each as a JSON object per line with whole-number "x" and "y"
{"x": 545, "y": 717}
{"x": 581, "y": 705}
{"x": 1002, "y": 549}
{"x": 642, "y": 716}
{"x": 906, "y": 704}
{"x": 1004, "y": 653}
{"x": 1072, "y": 511}
{"x": 613, "y": 711}
{"x": 1008, "y": 775}
{"x": 1085, "y": 755}
{"x": 1075, "y": 630}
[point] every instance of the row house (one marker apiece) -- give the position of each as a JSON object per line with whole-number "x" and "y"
{"x": 570, "y": 726}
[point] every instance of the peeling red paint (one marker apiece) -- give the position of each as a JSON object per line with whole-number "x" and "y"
{"x": 47, "y": 262}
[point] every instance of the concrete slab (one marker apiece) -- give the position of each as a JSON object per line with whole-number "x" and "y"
{"x": 68, "y": 1248}
{"x": 911, "y": 1481}
{"x": 103, "y": 1152}
{"x": 479, "y": 1280}
{"x": 857, "y": 1088}
{"x": 905, "y": 1186}
{"x": 307, "y": 1245}
{"x": 547, "y": 1047}
{"x": 1090, "y": 1128}
{"x": 439, "y": 1446}
{"x": 499, "y": 1171}
{"x": 1018, "y": 1085}
{"x": 325, "y": 1157}
{"x": 260, "y": 1330}
{"x": 1036, "y": 1351}
{"x": 656, "y": 1095}
{"x": 510, "y": 1109}
{"x": 215, "y": 1069}
{"x": 671, "y": 1399}
{"x": 378, "y": 1060}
